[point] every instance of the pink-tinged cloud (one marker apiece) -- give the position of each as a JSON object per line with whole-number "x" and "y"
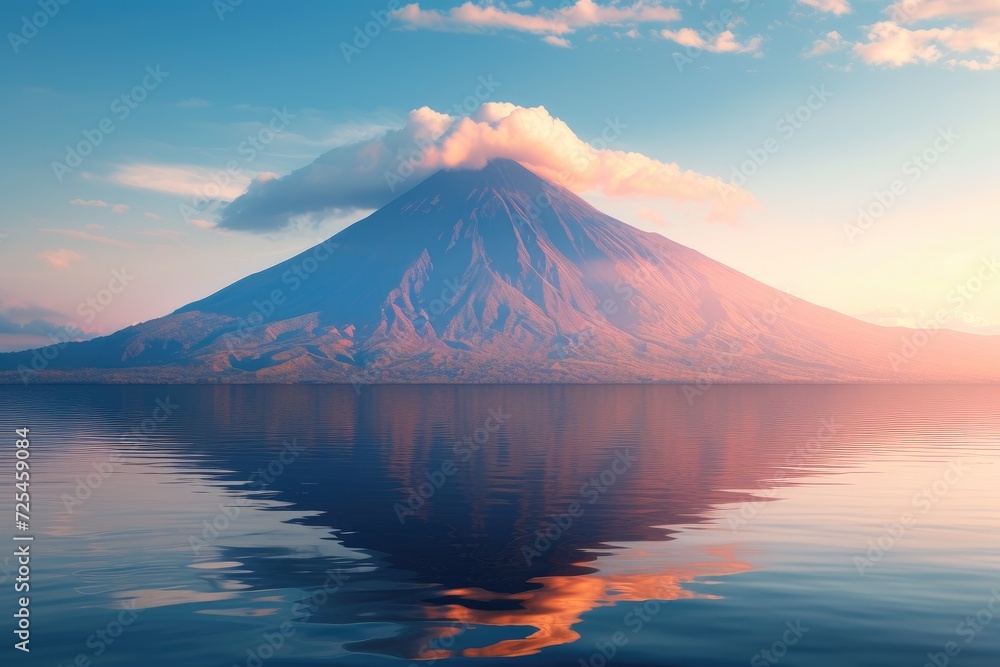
{"x": 991, "y": 63}
{"x": 472, "y": 17}
{"x": 547, "y": 146}
{"x": 966, "y": 34}
{"x": 368, "y": 174}
{"x": 724, "y": 42}
{"x": 837, "y": 7}
{"x": 86, "y": 236}
{"x": 561, "y": 42}
{"x": 202, "y": 224}
{"x": 60, "y": 259}
{"x": 892, "y": 45}
{"x": 98, "y": 203}
{"x": 906, "y": 11}
{"x": 184, "y": 180}
{"x": 830, "y": 44}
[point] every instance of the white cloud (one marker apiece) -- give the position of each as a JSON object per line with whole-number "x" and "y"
{"x": 893, "y": 45}
{"x": 986, "y": 64}
{"x": 472, "y": 17}
{"x": 723, "y": 42}
{"x": 965, "y": 33}
{"x": 368, "y": 174}
{"x": 838, "y": 7}
{"x": 561, "y": 42}
{"x": 831, "y": 43}
{"x": 185, "y": 180}
{"x": 905, "y": 11}
{"x": 98, "y": 203}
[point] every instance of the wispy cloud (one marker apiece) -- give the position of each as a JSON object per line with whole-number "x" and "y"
{"x": 98, "y": 203}
{"x": 193, "y": 103}
{"x": 724, "y": 42}
{"x": 561, "y": 42}
{"x": 915, "y": 318}
{"x": 472, "y": 17}
{"x": 86, "y": 236}
{"x": 187, "y": 180}
{"x": 832, "y": 42}
{"x": 838, "y": 7}
{"x": 61, "y": 258}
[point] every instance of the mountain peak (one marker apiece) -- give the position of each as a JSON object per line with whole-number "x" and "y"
{"x": 498, "y": 175}
{"x": 499, "y": 169}
{"x": 500, "y": 193}
{"x": 498, "y": 275}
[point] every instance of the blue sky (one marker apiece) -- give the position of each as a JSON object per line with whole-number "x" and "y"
{"x": 213, "y": 77}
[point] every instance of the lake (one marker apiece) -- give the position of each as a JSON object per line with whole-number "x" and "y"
{"x": 508, "y": 525}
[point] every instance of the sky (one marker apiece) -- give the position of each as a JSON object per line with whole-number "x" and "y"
{"x": 153, "y": 153}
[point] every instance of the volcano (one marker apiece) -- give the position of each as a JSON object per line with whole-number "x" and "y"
{"x": 496, "y": 275}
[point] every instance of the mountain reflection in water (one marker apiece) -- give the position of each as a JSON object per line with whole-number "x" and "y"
{"x": 461, "y": 523}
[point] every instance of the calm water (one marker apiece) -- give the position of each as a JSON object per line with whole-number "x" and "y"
{"x": 846, "y": 526}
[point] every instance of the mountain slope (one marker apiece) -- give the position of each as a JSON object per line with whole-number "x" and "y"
{"x": 496, "y": 275}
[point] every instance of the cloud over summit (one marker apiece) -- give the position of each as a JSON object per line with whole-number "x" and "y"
{"x": 368, "y": 174}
